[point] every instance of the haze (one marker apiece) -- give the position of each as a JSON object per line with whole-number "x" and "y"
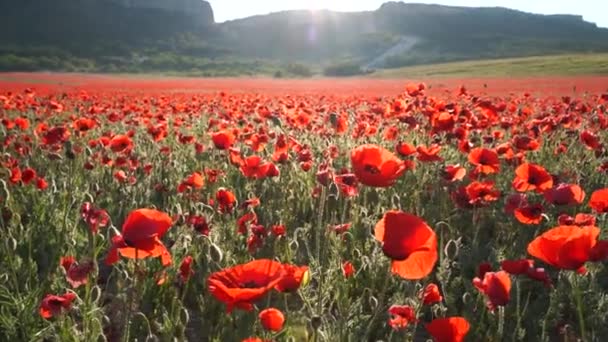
{"x": 591, "y": 10}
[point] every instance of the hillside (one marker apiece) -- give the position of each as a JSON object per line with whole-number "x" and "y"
{"x": 182, "y": 36}
{"x": 559, "y": 65}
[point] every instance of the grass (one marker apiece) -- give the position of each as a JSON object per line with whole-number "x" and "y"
{"x": 560, "y": 65}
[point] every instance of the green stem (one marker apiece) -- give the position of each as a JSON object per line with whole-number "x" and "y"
{"x": 579, "y": 306}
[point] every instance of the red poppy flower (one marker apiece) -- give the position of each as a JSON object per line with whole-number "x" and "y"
{"x": 194, "y": 181}
{"x": 481, "y": 193}
{"x": 409, "y": 242}
{"x": 185, "y": 268}
{"x": 566, "y": 247}
{"x": 56, "y": 135}
{"x": 376, "y": 166}
{"x": 401, "y": 316}
{"x": 590, "y": 140}
{"x": 453, "y": 173}
{"x": 599, "y": 201}
{"x": 529, "y": 214}
{"x": 241, "y": 285}
{"x": 293, "y": 277}
{"x": 485, "y": 160}
{"x": 530, "y": 177}
{"x": 405, "y": 149}
{"x": 41, "y": 183}
{"x": 120, "y": 143}
{"x": 223, "y": 140}
{"x": 140, "y": 237}
{"x": 77, "y": 274}
{"x": 565, "y": 194}
{"x": 226, "y": 200}
{"x": 272, "y": 319}
{"x": 429, "y": 154}
{"x": 515, "y": 201}
{"x": 348, "y": 184}
{"x": 496, "y": 286}
{"x": 452, "y": 329}
{"x": 53, "y": 305}
{"x": 517, "y": 267}
{"x": 431, "y": 294}
{"x": 254, "y": 167}
{"x": 348, "y": 270}
{"x": 28, "y": 175}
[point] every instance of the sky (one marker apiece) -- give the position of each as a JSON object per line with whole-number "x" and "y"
{"x": 592, "y": 10}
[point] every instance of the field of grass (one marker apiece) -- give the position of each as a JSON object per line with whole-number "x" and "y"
{"x": 560, "y": 65}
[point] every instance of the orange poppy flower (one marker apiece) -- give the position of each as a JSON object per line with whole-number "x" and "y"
{"x": 140, "y": 237}
{"x": 241, "y": 285}
{"x": 530, "y": 177}
{"x": 409, "y": 242}
{"x": 452, "y": 329}
{"x": 485, "y": 160}
{"x": 599, "y": 201}
{"x": 376, "y": 166}
{"x": 565, "y": 194}
{"x": 272, "y": 319}
{"x": 496, "y": 286}
{"x": 405, "y": 149}
{"x": 254, "y": 167}
{"x": 566, "y": 247}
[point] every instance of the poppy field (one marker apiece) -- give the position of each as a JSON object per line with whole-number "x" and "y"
{"x": 318, "y": 210}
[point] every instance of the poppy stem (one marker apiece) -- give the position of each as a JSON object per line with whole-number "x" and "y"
{"x": 131, "y": 294}
{"x": 379, "y": 307}
{"x": 579, "y": 305}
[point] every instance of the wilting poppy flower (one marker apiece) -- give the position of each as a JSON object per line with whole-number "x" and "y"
{"x": 241, "y": 285}
{"x": 53, "y": 305}
{"x": 530, "y": 177}
{"x": 485, "y": 160}
{"x": 496, "y": 286}
{"x": 431, "y": 294}
{"x": 293, "y": 277}
{"x": 565, "y": 194}
{"x": 348, "y": 184}
{"x": 401, "y": 316}
{"x": 376, "y": 166}
{"x": 452, "y": 329}
{"x": 77, "y": 274}
{"x": 140, "y": 237}
{"x": 566, "y": 247}
{"x": 95, "y": 218}
{"x": 223, "y": 140}
{"x": 529, "y": 214}
{"x": 185, "y": 268}
{"x": 409, "y": 242}
{"x": 272, "y": 319}
{"x": 599, "y": 201}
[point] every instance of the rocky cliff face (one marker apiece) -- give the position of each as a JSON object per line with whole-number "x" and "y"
{"x": 198, "y": 10}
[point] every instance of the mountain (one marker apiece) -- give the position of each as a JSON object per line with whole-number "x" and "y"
{"x": 181, "y": 35}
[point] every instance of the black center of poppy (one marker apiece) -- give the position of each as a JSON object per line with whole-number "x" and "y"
{"x": 250, "y": 285}
{"x": 372, "y": 169}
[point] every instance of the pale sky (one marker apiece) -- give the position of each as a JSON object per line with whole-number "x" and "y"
{"x": 592, "y": 10}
